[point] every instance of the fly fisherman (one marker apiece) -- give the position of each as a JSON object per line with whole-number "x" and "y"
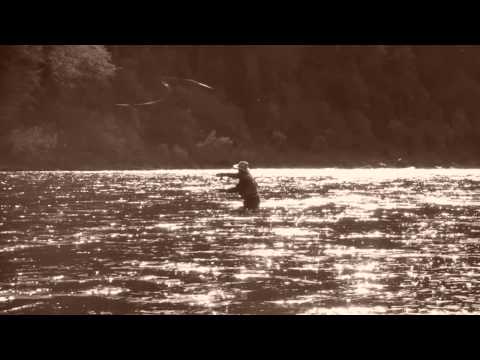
{"x": 246, "y": 187}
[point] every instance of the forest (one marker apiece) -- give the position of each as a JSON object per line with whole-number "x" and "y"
{"x": 82, "y": 107}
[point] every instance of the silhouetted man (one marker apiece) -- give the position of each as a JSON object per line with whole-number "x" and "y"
{"x": 246, "y": 187}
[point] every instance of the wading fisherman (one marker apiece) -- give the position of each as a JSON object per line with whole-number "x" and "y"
{"x": 246, "y": 187}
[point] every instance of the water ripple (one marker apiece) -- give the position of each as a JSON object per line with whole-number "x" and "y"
{"x": 326, "y": 241}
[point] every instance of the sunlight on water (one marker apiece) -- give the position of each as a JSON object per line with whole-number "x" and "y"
{"x": 325, "y": 241}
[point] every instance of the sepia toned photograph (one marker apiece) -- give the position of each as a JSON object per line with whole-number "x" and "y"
{"x": 239, "y": 180}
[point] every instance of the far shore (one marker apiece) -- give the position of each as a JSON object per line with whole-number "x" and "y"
{"x": 471, "y": 165}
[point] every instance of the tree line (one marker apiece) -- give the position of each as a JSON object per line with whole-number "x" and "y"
{"x": 94, "y": 106}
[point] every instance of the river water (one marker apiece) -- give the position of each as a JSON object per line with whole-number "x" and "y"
{"x": 326, "y": 241}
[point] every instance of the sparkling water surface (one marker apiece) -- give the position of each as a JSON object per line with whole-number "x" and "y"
{"x": 326, "y": 241}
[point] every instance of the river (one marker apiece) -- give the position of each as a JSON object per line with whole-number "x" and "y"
{"x": 326, "y": 241}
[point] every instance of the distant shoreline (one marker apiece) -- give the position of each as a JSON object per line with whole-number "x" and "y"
{"x": 301, "y": 166}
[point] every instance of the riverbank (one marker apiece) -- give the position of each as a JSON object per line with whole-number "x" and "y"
{"x": 287, "y": 164}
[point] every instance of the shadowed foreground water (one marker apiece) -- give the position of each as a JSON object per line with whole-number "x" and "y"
{"x": 326, "y": 241}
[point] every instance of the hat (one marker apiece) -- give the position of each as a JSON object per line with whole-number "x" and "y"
{"x": 242, "y": 165}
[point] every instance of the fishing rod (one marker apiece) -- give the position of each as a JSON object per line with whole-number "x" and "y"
{"x": 167, "y": 82}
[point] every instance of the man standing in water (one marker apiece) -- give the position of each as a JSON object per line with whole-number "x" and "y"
{"x": 246, "y": 187}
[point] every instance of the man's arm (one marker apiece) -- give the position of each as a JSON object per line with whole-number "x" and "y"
{"x": 233, "y": 190}
{"x": 230, "y": 175}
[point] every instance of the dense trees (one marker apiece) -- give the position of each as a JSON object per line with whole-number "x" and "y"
{"x": 151, "y": 106}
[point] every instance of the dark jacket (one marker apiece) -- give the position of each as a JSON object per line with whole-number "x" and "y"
{"x": 247, "y": 188}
